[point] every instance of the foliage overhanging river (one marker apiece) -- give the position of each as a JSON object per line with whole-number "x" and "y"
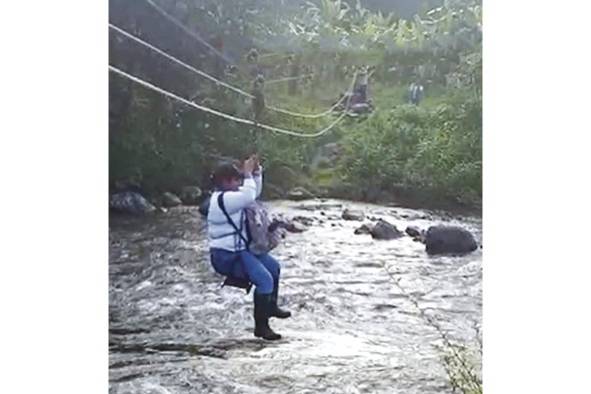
{"x": 173, "y": 330}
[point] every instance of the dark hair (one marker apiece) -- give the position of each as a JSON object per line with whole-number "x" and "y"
{"x": 224, "y": 171}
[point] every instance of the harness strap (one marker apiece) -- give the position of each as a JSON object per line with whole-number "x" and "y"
{"x": 238, "y": 230}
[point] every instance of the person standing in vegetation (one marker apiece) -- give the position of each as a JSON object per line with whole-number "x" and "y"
{"x": 228, "y": 237}
{"x": 415, "y": 93}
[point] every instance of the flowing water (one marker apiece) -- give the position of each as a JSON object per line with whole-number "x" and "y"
{"x": 353, "y": 330}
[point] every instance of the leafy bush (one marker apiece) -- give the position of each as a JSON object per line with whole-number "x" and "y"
{"x": 436, "y": 151}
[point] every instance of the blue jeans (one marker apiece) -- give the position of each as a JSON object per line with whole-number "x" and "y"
{"x": 262, "y": 270}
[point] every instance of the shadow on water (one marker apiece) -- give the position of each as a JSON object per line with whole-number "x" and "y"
{"x": 173, "y": 330}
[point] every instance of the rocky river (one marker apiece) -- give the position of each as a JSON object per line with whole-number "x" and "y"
{"x": 354, "y": 325}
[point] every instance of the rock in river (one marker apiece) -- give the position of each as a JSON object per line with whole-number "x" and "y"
{"x": 299, "y": 193}
{"x": 350, "y": 214}
{"x": 364, "y": 229}
{"x": 130, "y": 202}
{"x": 170, "y": 200}
{"x": 295, "y": 227}
{"x": 449, "y": 239}
{"x": 413, "y": 231}
{"x": 190, "y": 195}
{"x": 385, "y": 230}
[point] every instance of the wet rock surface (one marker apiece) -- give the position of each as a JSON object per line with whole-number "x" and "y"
{"x": 364, "y": 229}
{"x": 299, "y": 194}
{"x": 191, "y": 195}
{"x": 173, "y": 330}
{"x": 170, "y": 200}
{"x": 413, "y": 231}
{"x": 449, "y": 239}
{"x": 385, "y": 230}
{"x": 131, "y": 203}
{"x": 352, "y": 214}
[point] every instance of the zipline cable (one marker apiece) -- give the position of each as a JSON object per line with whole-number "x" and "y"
{"x": 205, "y": 75}
{"x": 174, "y": 59}
{"x": 268, "y": 55}
{"x": 221, "y": 83}
{"x": 288, "y": 79}
{"x": 227, "y": 116}
{"x": 196, "y": 36}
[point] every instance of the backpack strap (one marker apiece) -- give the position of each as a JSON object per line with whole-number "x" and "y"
{"x": 238, "y": 231}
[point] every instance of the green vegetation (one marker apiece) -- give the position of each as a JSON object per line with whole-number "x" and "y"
{"x": 462, "y": 369}
{"x": 435, "y": 149}
{"x": 429, "y": 153}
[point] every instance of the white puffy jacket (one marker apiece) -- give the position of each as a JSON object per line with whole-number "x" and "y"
{"x": 221, "y": 234}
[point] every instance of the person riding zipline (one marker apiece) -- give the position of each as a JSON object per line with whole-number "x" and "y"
{"x": 252, "y": 58}
{"x": 362, "y": 82}
{"x": 228, "y": 235}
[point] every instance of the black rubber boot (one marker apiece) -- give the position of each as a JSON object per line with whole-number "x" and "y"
{"x": 262, "y": 311}
{"x": 275, "y": 310}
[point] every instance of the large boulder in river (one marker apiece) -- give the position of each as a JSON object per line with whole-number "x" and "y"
{"x": 130, "y": 202}
{"x": 385, "y": 230}
{"x": 190, "y": 195}
{"x": 170, "y": 200}
{"x": 351, "y": 214}
{"x": 449, "y": 239}
{"x": 299, "y": 193}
